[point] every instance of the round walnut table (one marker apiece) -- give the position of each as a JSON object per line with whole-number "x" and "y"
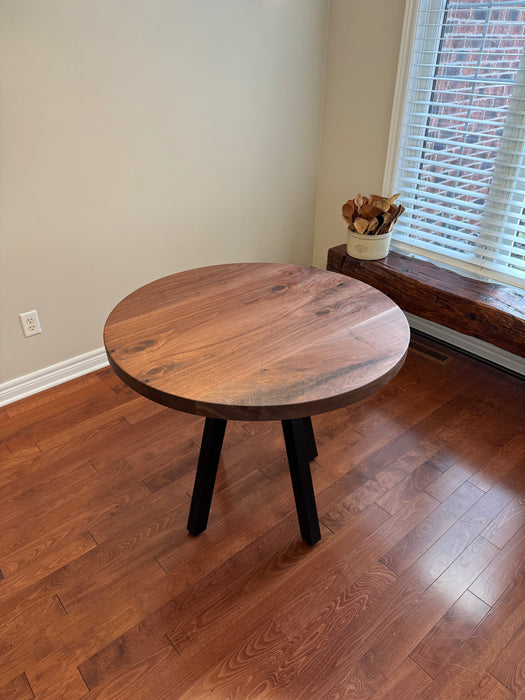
{"x": 256, "y": 341}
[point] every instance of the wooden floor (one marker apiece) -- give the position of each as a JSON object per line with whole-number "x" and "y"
{"x": 416, "y": 590}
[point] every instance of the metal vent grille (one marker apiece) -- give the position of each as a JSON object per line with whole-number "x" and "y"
{"x": 432, "y": 354}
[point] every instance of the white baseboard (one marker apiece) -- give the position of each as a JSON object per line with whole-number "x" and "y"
{"x": 486, "y": 351}
{"x": 47, "y": 377}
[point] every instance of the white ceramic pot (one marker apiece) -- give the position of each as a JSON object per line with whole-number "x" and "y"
{"x": 365, "y": 247}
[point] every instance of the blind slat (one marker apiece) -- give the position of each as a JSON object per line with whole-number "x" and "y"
{"x": 453, "y": 204}
{"x": 452, "y": 144}
{"x": 467, "y": 206}
{"x": 454, "y": 168}
{"x": 445, "y": 240}
{"x": 425, "y": 115}
{"x": 459, "y": 161}
{"x": 481, "y": 182}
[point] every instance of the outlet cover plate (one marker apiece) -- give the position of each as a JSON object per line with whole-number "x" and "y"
{"x": 30, "y": 323}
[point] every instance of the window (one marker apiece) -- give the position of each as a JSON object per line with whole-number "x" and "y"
{"x": 457, "y": 142}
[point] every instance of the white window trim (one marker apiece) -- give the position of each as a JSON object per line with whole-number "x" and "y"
{"x": 400, "y": 94}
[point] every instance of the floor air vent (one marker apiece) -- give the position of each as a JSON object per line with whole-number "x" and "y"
{"x": 432, "y": 354}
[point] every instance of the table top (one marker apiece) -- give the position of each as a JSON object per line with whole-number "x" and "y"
{"x": 256, "y": 341}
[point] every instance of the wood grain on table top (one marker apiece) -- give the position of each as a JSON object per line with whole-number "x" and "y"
{"x": 260, "y": 341}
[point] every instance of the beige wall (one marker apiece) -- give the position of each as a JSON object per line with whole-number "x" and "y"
{"x": 141, "y": 137}
{"x": 363, "y": 46}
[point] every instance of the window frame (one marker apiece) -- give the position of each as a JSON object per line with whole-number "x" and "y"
{"x": 430, "y": 41}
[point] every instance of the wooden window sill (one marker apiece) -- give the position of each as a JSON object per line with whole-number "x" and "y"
{"x": 488, "y": 311}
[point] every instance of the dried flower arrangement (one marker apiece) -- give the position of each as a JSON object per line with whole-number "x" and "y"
{"x": 373, "y": 215}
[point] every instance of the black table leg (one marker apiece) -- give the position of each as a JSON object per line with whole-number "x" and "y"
{"x": 210, "y": 453}
{"x": 310, "y": 438}
{"x": 298, "y": 449}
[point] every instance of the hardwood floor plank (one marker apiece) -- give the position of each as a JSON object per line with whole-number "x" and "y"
{"x": 509, "y": 666}
{"x": 38, "y": 499}
{"x": 408, "y": 681}
{"x": 445, "y": 485}
{"x": 370, "y": 418}
{"x": 355, "y": 489}
{"x": 4, "y": 452}
{"x": 66, "y": 683}
{"x": 24, "y": 450}
{"x": 41, "y": 557}
{"x": 394, "y": 529}
{"x": 61, "y": 396}
{"x": 153, "y": 435}
{"x": 170, "y": 465}
{"x": 501, "y": 572}
{"x": 409, "y": 627}
{"x": 489, "y": 688}
{"x": 498, "y": 464}
{"x": 435, "y": 649}
{"x": 150, "y": 506}
{"x": 114, "y": 659}
{"x": 84, "y": 434}
{"x": 362, "y": 682}
{"x": 438, "y": 388}
{"x": 488, "y": 507}
{"x": 324, "y": 654}
{"x": 447, "y": 424}
{"x": 17, "y": 689}
{"x": 93, "y": 575}
{"x": 155, "y": 676}
{"x": 96, "y": 626}
{"x": 358, "y": 488}
{"x": 63, "y": 418}
{"x": 352, "y": 484}
{"x": 507, "y": 523}
{"x": 338, "y": 456}
{"x": 19, "y": 473}
{"x": 408, "y": 549}
{"x": 179, "y": 589}
{"x": 58, "y": 511}
{"x": 401, "y": 494}
{"x": 89, "y": 439}
{"x": 17, "y": 648}
{"x": 335, "y": 599}
{"x": 241, "y": 673}
{"x": 444, "y": 458}
{"x": 327, "y": 426}
{"x": 99, "y": 570}
{"x": 469, "y": 664}
{"x": 143, "y": 410}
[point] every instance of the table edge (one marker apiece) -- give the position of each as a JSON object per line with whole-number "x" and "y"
{"x": 257, "y": 413}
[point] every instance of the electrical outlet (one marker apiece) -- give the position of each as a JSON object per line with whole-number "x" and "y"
{"x": 30, "y": 323}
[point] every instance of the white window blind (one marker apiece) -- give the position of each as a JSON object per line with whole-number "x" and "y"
{"x": 457, "y": 145}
